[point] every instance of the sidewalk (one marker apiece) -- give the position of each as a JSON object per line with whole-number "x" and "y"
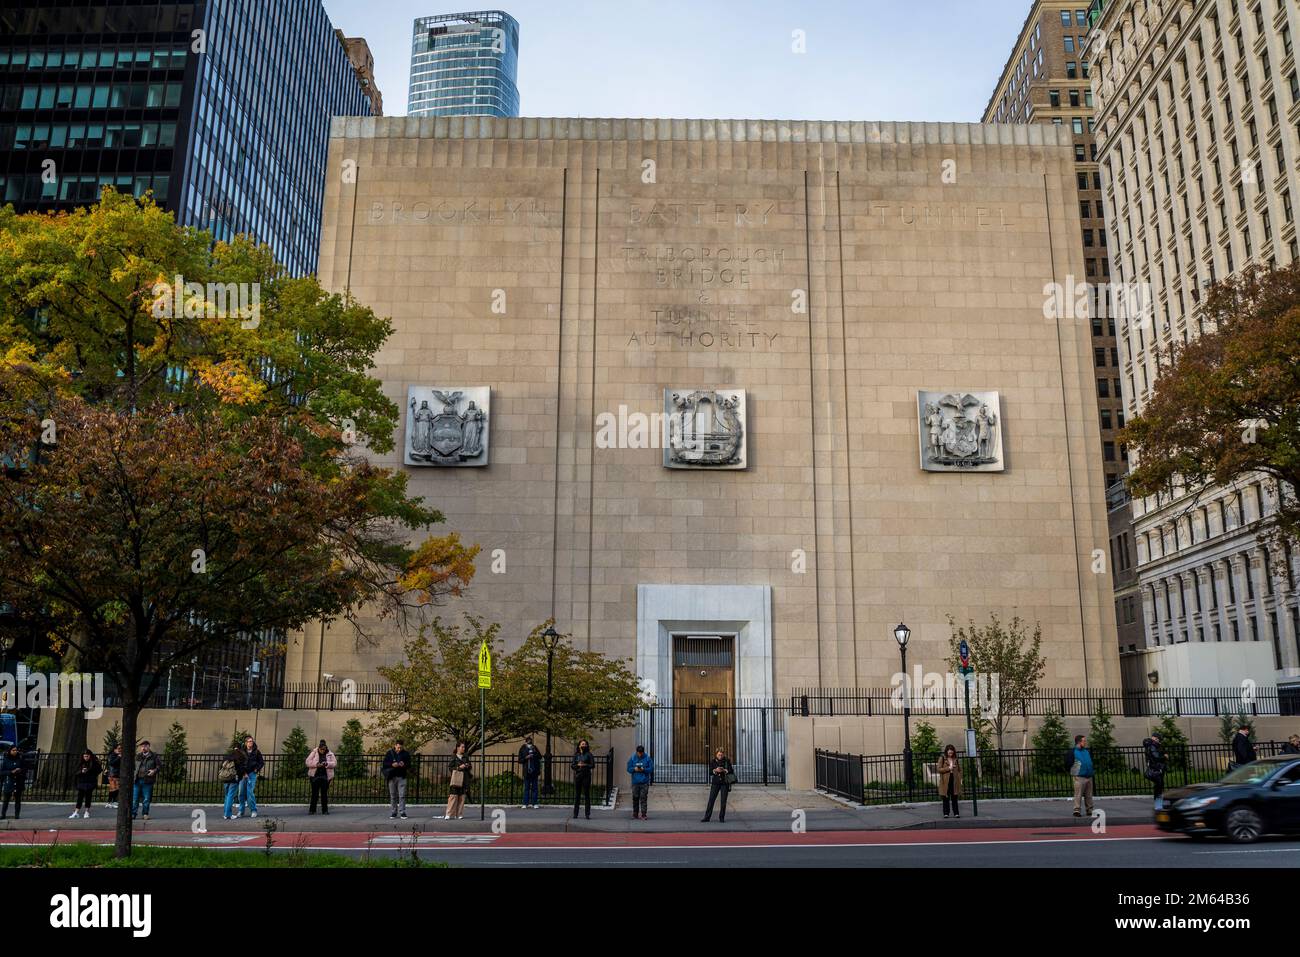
{"x": 673, "y": 809}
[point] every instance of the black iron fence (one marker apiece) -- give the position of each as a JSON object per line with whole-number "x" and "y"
{"x": 357, "y": 780}
{"x": 681, "y": 734}
{"x": 1018, "y": 773}
{"x": 1067, "y": 702}
{"x": 238, "y": 691}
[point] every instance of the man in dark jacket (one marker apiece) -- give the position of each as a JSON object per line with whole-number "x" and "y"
{"x": 396, "y": 762}
{"x": 13, "y": 778}
{"x": 640, "y": 767}
{"x": 1156, "y": 765}
{"x": 253, "y": 763}
{"x": 531, "y": 760}
{"x": 147, "y": 766}
{"x": 583, "y": 764}
{"x": 1243, "y": 752}
{"x": 1292, "y": 745}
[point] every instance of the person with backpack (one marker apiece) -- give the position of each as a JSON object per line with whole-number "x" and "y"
{"x": 1155, "y": 769}
{"x": 114, "y": 776}
{"x": 147, "y": 766}
{"x": 253, "y": 764}
{"x": 320, "y": 771}
{"x": 396, "y": 762}
{"x": 531, "y": 760}
{"x": 584, "y": 762}
{"x": 461, "y": 771}
{"x": 721, "y": 777}
{"x": 231, "y": 775}
{"x": 13, "y": 779}
{"x": 1081, "y": 770}
{"x": 88, "y": 771}
{"x": 640, "y": 766}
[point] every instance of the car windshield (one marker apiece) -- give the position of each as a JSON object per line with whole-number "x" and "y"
{"x": 1251, "y": 773}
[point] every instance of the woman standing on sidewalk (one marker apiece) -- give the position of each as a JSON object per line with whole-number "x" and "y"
{"x": 583, "y": 764}
{"x": 949, "y": 768}
{"x": 461, "y": 775}
{"x": 88, "y": 771}
{"x": 721, "y": 777}
{"x": 1156, "y": 765}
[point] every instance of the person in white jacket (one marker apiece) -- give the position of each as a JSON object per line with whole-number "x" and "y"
{"x": 320, "y": 771}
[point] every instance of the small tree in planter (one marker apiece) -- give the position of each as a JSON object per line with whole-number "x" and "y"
{"x": 295, "y": 748}
{"x": 1106, "y": 757}
{"x": 351, "y": 754}
{"x": 1051, "y": 744}
{"x": 1172, "y": 742}
{"x": 175, "y": 756}
{"x": 925, "y": 749}
{"x": 112, "y": 737}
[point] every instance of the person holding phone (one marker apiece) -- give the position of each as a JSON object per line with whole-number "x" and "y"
{"x": 949, "y": 768}
{"x": 462, "y": 772}
{"x": 584, "y": 762}
{"x": 320, "y": 771}
{"x": 721, "y": 777}
{"x": 640, "y": 766}
{"x": 396, "y": 762}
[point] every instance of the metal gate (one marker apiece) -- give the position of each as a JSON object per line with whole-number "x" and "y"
{"x": 682, "y": 733}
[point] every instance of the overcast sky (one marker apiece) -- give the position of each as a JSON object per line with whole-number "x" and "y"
{"x": 866, "y": 59}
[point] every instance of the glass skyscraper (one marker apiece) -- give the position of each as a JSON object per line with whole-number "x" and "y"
{"x": 221, "y": 107}
{"x": 464, "y": 64}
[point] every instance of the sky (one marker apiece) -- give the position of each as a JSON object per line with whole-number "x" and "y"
{"x": 918, "y": 60}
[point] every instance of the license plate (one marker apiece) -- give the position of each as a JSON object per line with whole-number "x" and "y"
{"x": 1162, "y": 817}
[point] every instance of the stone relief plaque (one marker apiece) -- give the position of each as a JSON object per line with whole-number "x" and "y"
{"x": 704, "y": 428}
{"x": 447, "y": 425}
{"x": 960, "y": 431}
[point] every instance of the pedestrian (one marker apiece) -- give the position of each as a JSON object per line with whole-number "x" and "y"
{"x": 462, "y": 776}
{"x": 1243, "y": 749}
{"x": 320, "y": 771}
{"x": 13, "y": 779}
{"x": 396, "y": 761}
{"x": 114, "y": 775}
{"x": 640, "y": 766}
{"x": 147, "y": 765}
{"x": 531, "y": 760}
{"x": 253, "y": 764}
{"x": 88, "y": 771}
{"x": 949, "y": 768}
{"x": 1156, "y": 766}
{"x": 1082, "y": 772}
{"x": 1292, "y": 745}
{"x": 231, "y": 774}
{"x": 584, "y": 762}
{"x": 721, "y": 777}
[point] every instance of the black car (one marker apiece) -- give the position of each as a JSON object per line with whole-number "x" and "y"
{"x": 1262, "y": 797}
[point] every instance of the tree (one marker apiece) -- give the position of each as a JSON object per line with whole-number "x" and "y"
{"x": 1230, "y": 721}
{"x": 351, "y": 754}
{"x": 1226, "y": 406}
{"x": 925, "y": 748}
{"x": 112, "y": 737}
{"x": 1101, "y": 740}
{"x": 999, "y": 652}
{"x": 1172, "y": 741}
{"x": 114, "y": 538}
{"x": 1051, "y": 743}
{"x": 439, "y": 698}
{"x": 237, "y": 739}
{"x": 295, "y": 748}
{"x": 175, "y": 756}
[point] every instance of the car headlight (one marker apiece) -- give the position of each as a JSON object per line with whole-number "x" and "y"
{"x": 1196, "y": 803}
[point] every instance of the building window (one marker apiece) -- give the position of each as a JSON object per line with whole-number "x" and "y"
{"x": 1072, "y": 71}
{"x": 1054, "y": 98}
{"x": 1108, "y": 451}
{"x": 1103, "y": 390}
{"x": 1069, "y": 44}
{"x": 1105, "y": 419}
{"x": 1077, "y": 125}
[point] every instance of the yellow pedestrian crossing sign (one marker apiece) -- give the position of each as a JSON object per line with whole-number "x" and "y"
{"x": 484, "y": 666}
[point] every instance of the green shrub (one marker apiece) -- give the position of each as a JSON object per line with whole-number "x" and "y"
{"x": 175, "y": 755}
{"x": 1101, "y": 741}
{"x": 1052, "y": 742}
{"x": 112, "y": 737}
{"x": 1173, "y": 742}
{"x": 351, "y": 760}
{"x": 295, "y": 748}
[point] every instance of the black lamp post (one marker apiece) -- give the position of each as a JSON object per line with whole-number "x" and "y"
{"x": 550, "y": 638}
{"x": 901, "y": 634}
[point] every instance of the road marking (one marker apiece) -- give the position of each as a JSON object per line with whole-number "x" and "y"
{"x": 1254, "y": 850}
{"x": 436, "y": 839}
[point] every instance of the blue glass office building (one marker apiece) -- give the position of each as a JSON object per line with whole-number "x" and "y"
{"x": 464, "y": 64}
{"x": 228, "y": 127}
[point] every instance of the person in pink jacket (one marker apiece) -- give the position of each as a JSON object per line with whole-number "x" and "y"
{"x": 320, "y": 770}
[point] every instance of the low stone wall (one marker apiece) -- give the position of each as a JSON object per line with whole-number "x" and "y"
{"x": 884, "y": 735}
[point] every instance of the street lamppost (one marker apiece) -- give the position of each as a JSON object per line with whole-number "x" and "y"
{"x": 550, "y": 638}
{"x": 901, "y": 634}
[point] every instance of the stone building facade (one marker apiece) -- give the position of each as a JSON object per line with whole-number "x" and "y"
{"x": 774, "y": 298}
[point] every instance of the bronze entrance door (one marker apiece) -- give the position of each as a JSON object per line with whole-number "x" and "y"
{"x": 702, "y": 702}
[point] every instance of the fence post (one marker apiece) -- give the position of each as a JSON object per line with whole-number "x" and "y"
{"x": 763, "y": 739}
